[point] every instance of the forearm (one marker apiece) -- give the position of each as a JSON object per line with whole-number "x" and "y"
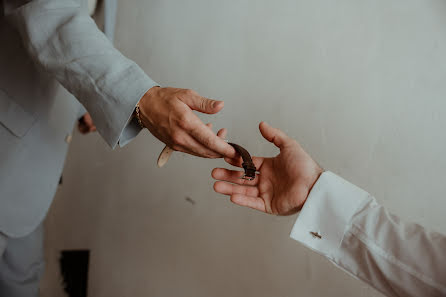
{"x": 361, "y": 237}
{"x": 65, "y": 42}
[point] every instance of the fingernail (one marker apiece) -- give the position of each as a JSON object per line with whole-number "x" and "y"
{"x": 215, "y": 103}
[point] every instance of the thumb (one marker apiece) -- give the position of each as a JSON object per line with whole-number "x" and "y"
{"x": 203, "y": 104}
{"x": 274, "y": 135}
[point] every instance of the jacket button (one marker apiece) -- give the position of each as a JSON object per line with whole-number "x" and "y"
{"x": 68, "y": 138}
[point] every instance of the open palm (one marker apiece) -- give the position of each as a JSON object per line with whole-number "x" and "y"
{"x": 282, "y": 183}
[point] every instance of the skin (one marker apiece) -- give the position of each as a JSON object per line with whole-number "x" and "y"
{"x": 85, "y": 124}
{"x": 283, "y": 183}
{"x": 168, "y": 114}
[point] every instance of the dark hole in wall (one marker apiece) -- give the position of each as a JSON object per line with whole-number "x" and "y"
{"x": 74, "y": 270}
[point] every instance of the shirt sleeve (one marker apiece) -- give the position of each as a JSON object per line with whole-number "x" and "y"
{"x": 130, "y": 131}
{"x": 81, "y": 112}
{"x": 65, "y": 42}
{"x": 345, "y": 224}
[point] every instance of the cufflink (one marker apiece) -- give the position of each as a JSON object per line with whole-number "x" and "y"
{"x": 316, "y": 235}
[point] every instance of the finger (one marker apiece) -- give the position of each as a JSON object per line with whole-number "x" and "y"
{"x": 195, "y": 153}
{"x": 232, "y": 176}
{"x": 256, "y": 203}
{"x": 192, "y": 146}
{"x": 211, "y": 141}
{"x": 274, "y": 135}
{"x": 188, "y": 145}
{"x": 237, "y": 162}
{"x": 82, "y": 128}
{"x": 88, "y": 120}
{"x": 91, "y": 128}
{"x": 222, "y": 133}
{"x": 231, "y": 189}
{"x": 200, "y": 103}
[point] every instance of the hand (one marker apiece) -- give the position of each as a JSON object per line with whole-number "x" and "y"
{"x": 283, "y": 182}
{"x": 85, "y": 124}
{"x": 167, "y": 113}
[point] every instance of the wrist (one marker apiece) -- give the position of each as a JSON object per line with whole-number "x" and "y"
{"x": 142, "y": 104}
{"x": 313, "y": 180}
{"x": 148, "y": 97}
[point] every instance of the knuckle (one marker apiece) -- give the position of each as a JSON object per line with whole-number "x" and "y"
{"x": 213, "y": 156}
{"x": 189, "y": 92}
{"x": 176, "y": 147}
{"x": 184, "y": 121}
{"x": 205, "y": 103}
{"x": 177, "y": 139}
{"x": 208, "y": 142}
{"x": 282, "y": 206}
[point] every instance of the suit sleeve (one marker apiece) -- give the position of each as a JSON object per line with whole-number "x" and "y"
{"x": 65, "y": 42}
{"x": 345, "y": 224}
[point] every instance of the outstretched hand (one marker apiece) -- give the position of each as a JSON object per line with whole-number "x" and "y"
{"x": 282, "y": 184}
{"x": 168, "y": 114}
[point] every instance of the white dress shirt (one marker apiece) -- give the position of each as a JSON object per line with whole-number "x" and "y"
{"x": 345, "y": 224}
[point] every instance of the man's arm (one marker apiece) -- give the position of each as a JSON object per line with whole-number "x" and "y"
{"x": 340, "y": 221}
{"x": 363, "y": 238}
{"x": 65, "y": 42}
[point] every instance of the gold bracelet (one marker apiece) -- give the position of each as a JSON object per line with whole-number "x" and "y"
{"x": 138, "y": 117}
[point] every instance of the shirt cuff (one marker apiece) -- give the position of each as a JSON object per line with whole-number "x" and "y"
{"x": 81, "y": 111}
{"x": 132, "y": 128}
{"x": 130, "y": 131}
{"x": 327, "y": 214}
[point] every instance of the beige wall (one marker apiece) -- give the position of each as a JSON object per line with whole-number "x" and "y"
{"x": 361, "y": 84}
